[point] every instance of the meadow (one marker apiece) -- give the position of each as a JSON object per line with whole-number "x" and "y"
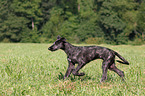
{"x": 32, "y": 70}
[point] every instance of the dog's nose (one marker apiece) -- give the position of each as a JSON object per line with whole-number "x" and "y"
{"x": 49, "y": 48}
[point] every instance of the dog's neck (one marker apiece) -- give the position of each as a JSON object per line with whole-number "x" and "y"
{"x": 68, "y": 48}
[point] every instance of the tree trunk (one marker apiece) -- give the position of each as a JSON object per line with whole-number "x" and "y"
{"x": 32, "y": 24}
{"x": 78, "y": 7}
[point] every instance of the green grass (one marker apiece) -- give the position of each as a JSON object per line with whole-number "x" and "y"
{"x": 30, "y": 69}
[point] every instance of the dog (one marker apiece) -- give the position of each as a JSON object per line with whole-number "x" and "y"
{"x": 82, "y": 55}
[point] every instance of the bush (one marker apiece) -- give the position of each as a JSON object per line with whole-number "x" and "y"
{"x": 137, "y": 41}
{"x": 95, "y": 40}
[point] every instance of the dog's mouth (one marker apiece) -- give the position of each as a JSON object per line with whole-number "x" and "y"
{"x": 51, "y": 49}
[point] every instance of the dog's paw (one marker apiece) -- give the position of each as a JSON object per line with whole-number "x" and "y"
{"x": 63, "y": 77}
{"x": 81, "y": 74}
{"x": 103, "y": 79}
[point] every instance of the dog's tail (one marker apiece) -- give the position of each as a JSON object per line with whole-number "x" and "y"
{"x": 124, "y": 61}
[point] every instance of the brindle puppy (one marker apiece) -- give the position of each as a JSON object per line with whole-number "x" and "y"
{"x": 84, "y": 54}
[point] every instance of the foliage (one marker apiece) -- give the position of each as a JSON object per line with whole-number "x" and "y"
{"x": 12, "y": 27}
{"x": 117, "y": 21}
{"x": 96, "y": 40}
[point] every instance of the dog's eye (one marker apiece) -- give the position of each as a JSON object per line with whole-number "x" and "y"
{"x": 57, "y": 42}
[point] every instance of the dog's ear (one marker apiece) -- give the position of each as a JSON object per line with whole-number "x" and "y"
{"x": 58, "y": 37}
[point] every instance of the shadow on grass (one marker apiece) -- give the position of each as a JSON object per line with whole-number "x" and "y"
{"x": 86, "y": 78}
{"x": 74, "y": 78}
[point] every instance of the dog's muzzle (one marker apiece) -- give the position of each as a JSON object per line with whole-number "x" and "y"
{"x": 51, "y": 49}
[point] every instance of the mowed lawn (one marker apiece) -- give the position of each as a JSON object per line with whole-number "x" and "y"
{"x": 32, "y": 70}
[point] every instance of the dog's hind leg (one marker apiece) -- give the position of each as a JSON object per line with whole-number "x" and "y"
{"x": 104, "y": 70}
{"x": 116, "y": 70}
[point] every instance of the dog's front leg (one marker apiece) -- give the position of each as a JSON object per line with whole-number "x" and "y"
{"x": 69, "y": 70}
{"x": 75, "y": 71}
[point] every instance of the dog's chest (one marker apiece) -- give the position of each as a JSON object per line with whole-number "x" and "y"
{"x": 78, "y": 59}
{"x": 72, "y": 59}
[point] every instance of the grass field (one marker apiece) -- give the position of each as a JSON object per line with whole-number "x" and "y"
{"x": 32, "y": 70}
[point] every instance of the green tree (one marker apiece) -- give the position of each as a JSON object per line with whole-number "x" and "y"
{"x": 12, "y": 26}
{"x": 141, "y": 21}
{"x": 46, "y": 6}
{"x": 118, "y": 18}
{"x": 29, "y": 9}
{"x": 51, "y": 28}
{"x": 118, "y": 21}
{"x": 88, "y": 18}
{"x": 110, "y": 22}
{"x": 62, "y": 19}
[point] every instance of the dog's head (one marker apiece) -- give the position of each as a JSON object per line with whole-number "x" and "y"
{"x": 58, "y": 44}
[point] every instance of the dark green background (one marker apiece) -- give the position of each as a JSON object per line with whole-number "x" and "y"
{"x": 79, "y": 21}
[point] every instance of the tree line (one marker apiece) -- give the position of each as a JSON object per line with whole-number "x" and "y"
{"x": 80, "y": 21}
